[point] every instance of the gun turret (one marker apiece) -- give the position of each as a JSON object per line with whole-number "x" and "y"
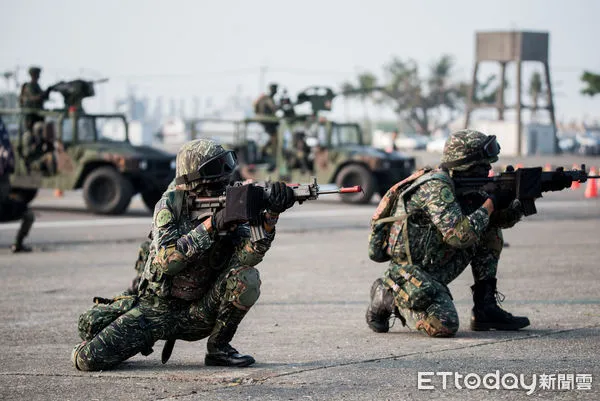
{"x": 73, "y": 92}
{"x": 319, "y": 97}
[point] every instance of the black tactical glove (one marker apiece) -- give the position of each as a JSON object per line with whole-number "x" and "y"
{"x": 502, "y": 199}
{"x": 281, "y": 197}
{"x": 559, "y": 182}
{"x": 506, "y": 218}
{"x": 220, "y": 222}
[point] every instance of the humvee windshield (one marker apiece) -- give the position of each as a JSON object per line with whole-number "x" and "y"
{"x": 95, "y": 129}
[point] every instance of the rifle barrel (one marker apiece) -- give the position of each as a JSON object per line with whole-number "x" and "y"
{"x": 343, "y": 190}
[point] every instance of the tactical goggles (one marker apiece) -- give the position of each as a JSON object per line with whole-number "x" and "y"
{"x": 216, "y": 167}
{"x": 489, "y": 150}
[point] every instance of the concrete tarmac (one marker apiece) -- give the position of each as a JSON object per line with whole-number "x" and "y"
{"x": 307, "y": 331}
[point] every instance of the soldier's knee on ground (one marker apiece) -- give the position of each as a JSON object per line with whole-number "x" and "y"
{"x": 434, "y": 326}
{"x": 79, "y": 362}
{"x": 243, "y": 287}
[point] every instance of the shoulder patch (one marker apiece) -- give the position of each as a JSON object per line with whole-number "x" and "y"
{"x": 447, "y": 195}
{"x": 163, "y": 217}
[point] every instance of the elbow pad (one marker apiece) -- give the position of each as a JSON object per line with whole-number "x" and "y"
{"x": 461, "y": 236}
{"x": 170, "y": 260}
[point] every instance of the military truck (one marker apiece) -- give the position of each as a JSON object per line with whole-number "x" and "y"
{"x": 308, "y": 145}
{"x": 85, "y": 151}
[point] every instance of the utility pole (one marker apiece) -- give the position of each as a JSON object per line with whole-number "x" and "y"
{"x": 261, "y": 78}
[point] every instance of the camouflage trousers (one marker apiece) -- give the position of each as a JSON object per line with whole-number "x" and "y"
{"x": 429, "y": 308}
{"x": 155, "y": 318}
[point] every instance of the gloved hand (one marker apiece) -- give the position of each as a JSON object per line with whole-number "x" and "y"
{"x": 281, "y": 197}
{"x": 219, "y": 222}
{"x": 506, "y": 218}
{"x": 501, "y": 199}
{"x": 559, "y": 182}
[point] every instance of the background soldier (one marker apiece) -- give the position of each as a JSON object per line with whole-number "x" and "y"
{"x": 432, "y": 234}
{"x": 38, "y": 148}
{"x": 265, "y": 106}
{"x": 200, "y": 279}
{"x": 12, "y": 208}
{"x": 32, "y": 97}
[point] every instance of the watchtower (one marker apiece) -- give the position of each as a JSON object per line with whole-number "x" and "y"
{"x": 503, "y": 48}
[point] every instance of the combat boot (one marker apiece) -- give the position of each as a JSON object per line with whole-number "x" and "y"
{"x": 18, "y": 246}
{"x": 220, "y": 353}
{"x": 487, "y": 314}
{"x": 381, "y": 308}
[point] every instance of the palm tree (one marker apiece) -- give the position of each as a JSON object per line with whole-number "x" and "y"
{"x": 366, "y": 84}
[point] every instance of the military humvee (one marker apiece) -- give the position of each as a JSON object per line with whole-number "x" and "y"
{"x": 305, "y": 146}
{"x": 91, "y": 152}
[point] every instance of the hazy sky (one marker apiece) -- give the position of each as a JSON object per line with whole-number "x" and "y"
{"x": 203, "y": 48}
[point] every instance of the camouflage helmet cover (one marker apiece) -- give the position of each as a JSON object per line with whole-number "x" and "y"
{"x": 192, "y": 155}
{"x": 462, "y": 144}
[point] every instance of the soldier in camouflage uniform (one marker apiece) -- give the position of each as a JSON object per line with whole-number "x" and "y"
{"x": 200, "y": 279}
{"x": 32, "y": 97}
{"x": 430, "y": 233}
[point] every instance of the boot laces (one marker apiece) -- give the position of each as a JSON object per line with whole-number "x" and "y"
{"x": 499, "y": 297}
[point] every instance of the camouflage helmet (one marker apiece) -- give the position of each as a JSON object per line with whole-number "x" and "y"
{"x": 203, "y": 161}
{"x": 467, "y": 148}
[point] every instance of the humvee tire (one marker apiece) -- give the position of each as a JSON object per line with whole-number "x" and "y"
{"x": 105, "y": 191}
{"x": 151, "y": 197}
{"x": 355, "y": 174}
{"x": 24, "y": 194}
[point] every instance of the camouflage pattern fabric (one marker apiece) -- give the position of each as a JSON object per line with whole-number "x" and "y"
{"x": 445, "y": 235}
{"x": 188, "y": 161}
{"x": 140, "y": 263}
{"x": 38, "y": 153}
{"x": 193, "y": 283}
{"x": 157, "y": 318}
{"x": 32, "y": 96}
{"x": 462, "y": 144}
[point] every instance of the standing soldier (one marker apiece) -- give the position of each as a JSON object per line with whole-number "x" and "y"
{"x": 32, "y": 97}
{"x": 265, "y": 106}
{"x": 429, "y": 233}
{"x": 200, "y": 279}
{"x": 12, "y": 208}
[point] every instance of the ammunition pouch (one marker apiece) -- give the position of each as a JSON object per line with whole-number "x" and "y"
{"x": 104, "y": 312}
{"x": 413, "y": 288}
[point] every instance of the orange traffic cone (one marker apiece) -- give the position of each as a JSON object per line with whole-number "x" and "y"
{"x": 58, "y": 193}
{"x": 591, "y": 189}
{"x": 575, "y": 184}
{"x": 548, "y": 167}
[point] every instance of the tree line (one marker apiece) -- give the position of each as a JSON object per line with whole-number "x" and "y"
{"x": 432, "y": 100}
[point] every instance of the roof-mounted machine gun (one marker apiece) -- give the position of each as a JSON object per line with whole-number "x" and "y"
{"x": 73, "y": 92}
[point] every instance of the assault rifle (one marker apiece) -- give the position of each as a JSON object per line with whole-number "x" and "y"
{"x": 252, "y": 198}
{"x": 525, "y": 184}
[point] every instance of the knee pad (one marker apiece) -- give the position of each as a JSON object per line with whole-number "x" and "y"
{"x": 243, "y": 287}
{"x": 434, "y": 327}
{"x": 75, "y": 357}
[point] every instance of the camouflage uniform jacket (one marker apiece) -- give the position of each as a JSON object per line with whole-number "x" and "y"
{"x": 430, "y": 226}
{"x": 32, "y": 96}
{"x": 185, "y": 260}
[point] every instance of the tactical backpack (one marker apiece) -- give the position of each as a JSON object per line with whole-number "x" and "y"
{"x": 413, "y": 287}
